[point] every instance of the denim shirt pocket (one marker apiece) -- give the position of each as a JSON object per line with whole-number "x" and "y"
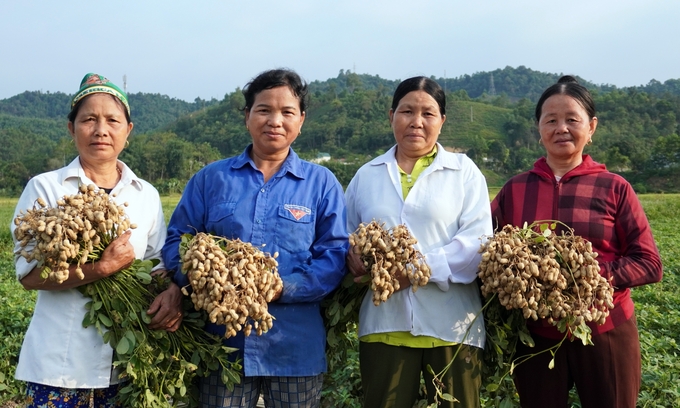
{"x": 295, "y": 228}
{"x": 221, "y": 218}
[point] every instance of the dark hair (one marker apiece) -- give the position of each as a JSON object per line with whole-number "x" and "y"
{"x": 275, "y": 78}
{"x": 74, "y": 111}
{"x": 568, "y": 85}
{"x": 420, "y": 83}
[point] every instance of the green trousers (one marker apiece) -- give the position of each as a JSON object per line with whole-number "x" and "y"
{"x": 390, "y": 375}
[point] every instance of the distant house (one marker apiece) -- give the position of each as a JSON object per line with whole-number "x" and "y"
{"x": 321, "y": 157}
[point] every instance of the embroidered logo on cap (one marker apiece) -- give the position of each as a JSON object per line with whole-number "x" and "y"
{"x": 97, "y": 79}
{"x": 297, "y": 211}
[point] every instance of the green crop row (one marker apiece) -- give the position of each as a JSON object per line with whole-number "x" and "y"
{"x": 658, "y": 314}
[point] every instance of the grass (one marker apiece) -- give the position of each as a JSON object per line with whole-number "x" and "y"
{"x": 657, "y": 307}
{"x": 169, "y": 203}
{"x": 16, "y": 307}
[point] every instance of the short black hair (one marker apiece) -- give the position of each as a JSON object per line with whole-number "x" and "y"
{"x": 420, "y": 83}
{"x": 275, "y": 78}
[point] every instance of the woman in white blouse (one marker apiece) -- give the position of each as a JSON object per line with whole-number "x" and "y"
{"x": 443, "y": 199}
{"x": 63, "y": 363}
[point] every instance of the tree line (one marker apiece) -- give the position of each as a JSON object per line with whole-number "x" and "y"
{"x": 489, "y": 117}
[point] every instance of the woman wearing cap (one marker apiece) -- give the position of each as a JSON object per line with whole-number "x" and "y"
{"x": 600, "y": 206}
{"x": 268, "y": 196}
{"x": 442, "y": 198}
{"x": 63, "y": 363}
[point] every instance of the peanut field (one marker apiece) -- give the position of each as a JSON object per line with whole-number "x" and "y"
{"x": 657, "y": 310}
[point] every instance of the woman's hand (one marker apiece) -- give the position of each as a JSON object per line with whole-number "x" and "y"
{"x": 278, "y": 294}
{"x": 166, "y": 309}
{"x": 358, "y": 270}
{"x": 404, "y": 281}
{"x": 120, "y": 254}
{"x": 355, "y": 264}
{"x": 117, "y": 256}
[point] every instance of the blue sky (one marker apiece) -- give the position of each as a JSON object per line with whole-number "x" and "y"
{"x": 208, "y": 48}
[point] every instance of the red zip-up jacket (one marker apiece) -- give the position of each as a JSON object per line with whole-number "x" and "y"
{"x": 602, "y": 208}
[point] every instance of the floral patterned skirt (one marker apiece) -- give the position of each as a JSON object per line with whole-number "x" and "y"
{"x": 45, "y": 396}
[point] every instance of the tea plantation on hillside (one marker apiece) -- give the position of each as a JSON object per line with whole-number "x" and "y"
{"x": 658, "y": 314}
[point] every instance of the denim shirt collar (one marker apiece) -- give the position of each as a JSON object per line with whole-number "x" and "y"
{"x": 292, "y": 164}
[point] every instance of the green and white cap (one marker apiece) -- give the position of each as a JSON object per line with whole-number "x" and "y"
{"x": 94, "y": 83}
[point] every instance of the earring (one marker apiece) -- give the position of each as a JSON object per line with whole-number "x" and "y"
{"x": 590, "y": 141}
{"x": 127, "y": 143}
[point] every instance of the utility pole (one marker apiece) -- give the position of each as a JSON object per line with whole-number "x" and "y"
{"x": 492, "y": 88}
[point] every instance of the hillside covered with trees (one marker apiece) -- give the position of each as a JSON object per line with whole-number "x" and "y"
{"x": 489, "y": 117}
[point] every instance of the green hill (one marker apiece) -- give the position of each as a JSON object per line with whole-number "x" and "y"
{"x": 489, "y": 117}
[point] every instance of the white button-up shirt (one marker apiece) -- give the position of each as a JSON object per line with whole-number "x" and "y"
{"x": 57, "y": 350}
{"x": 448, "y": 212}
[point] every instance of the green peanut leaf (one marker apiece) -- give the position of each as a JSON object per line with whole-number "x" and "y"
{"x": 146, "y": 318}
{"x": 526, "y": 339}
{"x": 144, "y": 277}
{"x": 448, "y": 397}
{"x": 331, "y": 338}
{"x": 149, "y": 396}
{"x": 492, "y": 387}
{"x": 195, "y": 358}
{"x": 87, "y": 321}
{"x": 231, "y": 376}
{"x": 126, "y": 390}
{"x": 507, "y": 403}
{"x": 105, "y": 320}
{"x": 123, "y": 346}
{"x": 348, "y": 307}
{"x": 335, "y": 319}
{"x": 139, "y": 336}
{"x": 348, "y": 281}
{"x": 130, "y": 335}
{"x": 333, "y": 309}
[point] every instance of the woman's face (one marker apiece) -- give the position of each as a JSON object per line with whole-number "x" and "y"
{"x": 274, "y": 121}
{"x": 565, "y": 127}
{"x": 416, "y": 123}
{"x": 100, "y": 129}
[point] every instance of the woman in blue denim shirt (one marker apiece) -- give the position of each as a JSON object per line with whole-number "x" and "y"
{"x": 269, "y": 196}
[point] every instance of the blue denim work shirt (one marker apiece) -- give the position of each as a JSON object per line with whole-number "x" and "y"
{"x": 299, "y": 213}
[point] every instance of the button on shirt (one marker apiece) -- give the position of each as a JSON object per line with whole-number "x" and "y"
{"x": 57, "y": 350}
{"x": 299, "y": 213}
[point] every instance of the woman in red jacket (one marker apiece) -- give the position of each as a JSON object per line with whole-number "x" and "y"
{"x": 602, "y": 207}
